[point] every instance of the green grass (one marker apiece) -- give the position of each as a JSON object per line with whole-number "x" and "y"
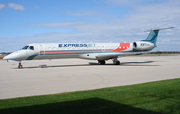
{"x": 148, "y": 98}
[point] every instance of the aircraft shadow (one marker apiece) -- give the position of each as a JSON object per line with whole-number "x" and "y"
{"x": 138, "y": 63}
{"x": 83, "y": 106}
{"x": 91, "y": 63}
{"x": 58, "y": 66}
{"x": 129, "y": 63}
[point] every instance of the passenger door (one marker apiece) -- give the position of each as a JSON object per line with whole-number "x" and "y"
{"x": 41, "y": 50}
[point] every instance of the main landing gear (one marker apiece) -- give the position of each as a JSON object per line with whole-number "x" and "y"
{"x": 102, "y": 62}
{"x": 20, "y": 66}
{"x": 115, "y": 61}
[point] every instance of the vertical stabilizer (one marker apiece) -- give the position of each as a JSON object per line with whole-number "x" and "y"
{"x": 152, "y": 37}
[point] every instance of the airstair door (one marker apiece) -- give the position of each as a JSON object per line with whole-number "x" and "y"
{"x": 41, "y": 50}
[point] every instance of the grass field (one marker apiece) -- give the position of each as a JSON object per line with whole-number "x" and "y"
{"x": 148, "y": 98}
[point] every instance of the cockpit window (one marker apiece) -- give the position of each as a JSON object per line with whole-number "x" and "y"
{"x": 25, "y": 47}
{"x": 31, "y": 47}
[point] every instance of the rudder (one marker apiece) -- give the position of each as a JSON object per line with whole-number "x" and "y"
{"x": 152, "y": 37}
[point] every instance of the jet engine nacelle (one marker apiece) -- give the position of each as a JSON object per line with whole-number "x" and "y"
{"x": 142, "y": 45}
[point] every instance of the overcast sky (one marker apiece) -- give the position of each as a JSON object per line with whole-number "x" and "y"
{"x": 60, "y": 21}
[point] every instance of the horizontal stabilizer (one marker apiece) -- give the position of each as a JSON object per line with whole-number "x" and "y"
{"x": 159, "y": 29}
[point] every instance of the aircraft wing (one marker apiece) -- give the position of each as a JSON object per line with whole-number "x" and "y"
{"x": 114, "y": 55}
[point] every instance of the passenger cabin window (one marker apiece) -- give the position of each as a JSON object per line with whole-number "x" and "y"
{"x": 31, "y": 47}
{"x": 25, "y": 47}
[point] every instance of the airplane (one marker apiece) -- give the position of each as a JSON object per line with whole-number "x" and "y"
{"x": 92, "y": 51}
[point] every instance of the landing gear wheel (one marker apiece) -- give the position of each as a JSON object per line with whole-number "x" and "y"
{"x": 20, "y": 66}
{"x": 102, "y": 62}
{"x": 117, "y": 63}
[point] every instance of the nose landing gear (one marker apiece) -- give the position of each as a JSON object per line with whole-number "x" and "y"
{"x": 20, "y": 66}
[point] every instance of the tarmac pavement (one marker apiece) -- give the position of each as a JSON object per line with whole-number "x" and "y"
{"x": 67, "y": 75}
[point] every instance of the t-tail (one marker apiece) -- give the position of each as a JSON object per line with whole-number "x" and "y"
{"x": 150, "y": 42}
{"x": 152, "y": 37}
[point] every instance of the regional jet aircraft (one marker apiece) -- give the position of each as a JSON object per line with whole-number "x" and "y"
{"x": 92, "y": 51}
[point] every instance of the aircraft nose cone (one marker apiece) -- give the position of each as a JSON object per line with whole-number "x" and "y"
{"x": 15, "y": 56}
{"x": 7, "y": 57}
{"x": 4, "y": 58}
{"x": 11, "y": 56}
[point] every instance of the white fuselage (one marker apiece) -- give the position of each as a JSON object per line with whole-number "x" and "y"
{"x": 93, "y": 51}
{"x": 68, "y": 50}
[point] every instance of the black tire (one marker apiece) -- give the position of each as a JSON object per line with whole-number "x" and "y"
{"x": 20, "y": 66}
{"x": 102, "y": 62}
{"x": 117, "y": 63}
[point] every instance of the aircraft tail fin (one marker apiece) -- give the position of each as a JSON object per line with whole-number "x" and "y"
{"x": 152, "y": 37}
